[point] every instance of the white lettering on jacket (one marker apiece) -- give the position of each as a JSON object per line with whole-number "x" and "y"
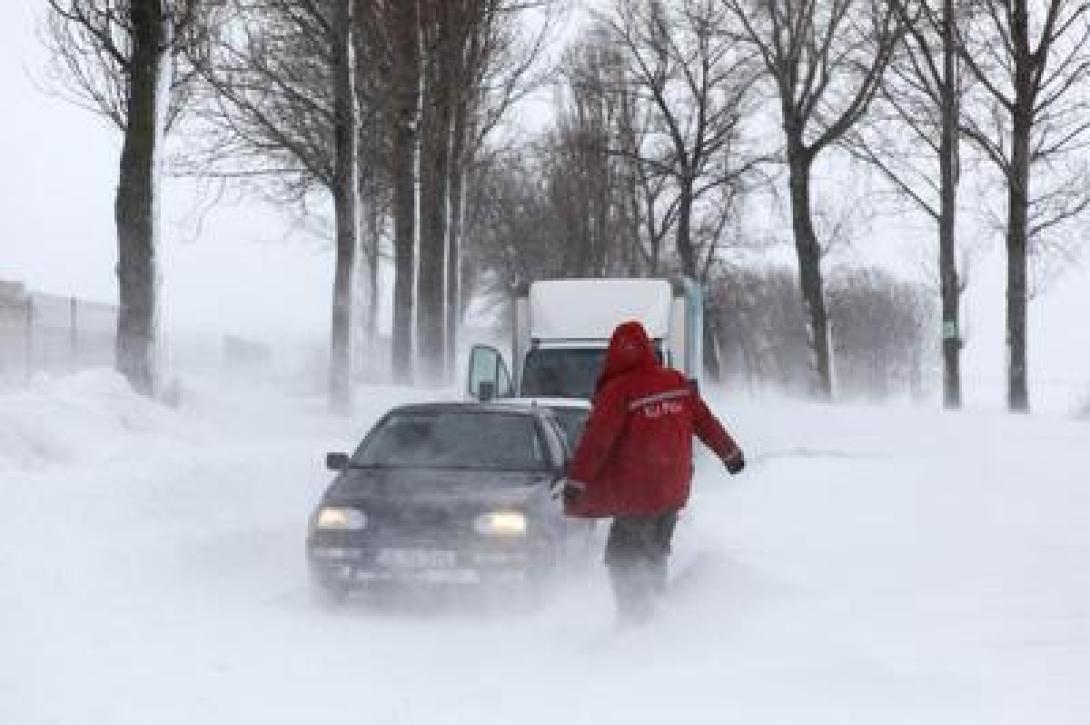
{"x": 660, "y": 404}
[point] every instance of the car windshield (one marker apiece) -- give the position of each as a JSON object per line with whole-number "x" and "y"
{"x": 562, "y": 372}
{"x": 454, "y": 439}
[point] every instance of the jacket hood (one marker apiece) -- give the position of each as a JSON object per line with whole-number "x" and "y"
{"x": 629, "y": 348}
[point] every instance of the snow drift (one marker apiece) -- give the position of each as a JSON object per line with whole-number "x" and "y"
{"x": 872, "y": 565}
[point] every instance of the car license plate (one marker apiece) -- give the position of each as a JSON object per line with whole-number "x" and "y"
{"x": 415, "y": 558}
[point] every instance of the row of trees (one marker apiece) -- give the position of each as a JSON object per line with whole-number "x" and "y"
{"x": 665, "y": 127}
{"x": 881, "y": 331}
{"x": 380, "y": 105}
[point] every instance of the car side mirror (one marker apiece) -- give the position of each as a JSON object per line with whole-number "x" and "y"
{"x": 336, "y": 461}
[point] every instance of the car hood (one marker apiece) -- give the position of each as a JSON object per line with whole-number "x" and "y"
{"x": 489, "y": 488}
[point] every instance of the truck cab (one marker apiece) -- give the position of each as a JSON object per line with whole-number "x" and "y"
{"x": 561, "y": 329}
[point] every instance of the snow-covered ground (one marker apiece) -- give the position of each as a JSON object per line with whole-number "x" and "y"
{"x": 871, "y": 566}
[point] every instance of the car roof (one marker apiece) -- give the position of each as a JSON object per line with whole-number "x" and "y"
{"x": 575, "y": 403}
{"x": 472, "y": 407}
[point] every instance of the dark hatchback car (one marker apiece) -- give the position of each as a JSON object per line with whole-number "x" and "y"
{"x": 446, "y": 493}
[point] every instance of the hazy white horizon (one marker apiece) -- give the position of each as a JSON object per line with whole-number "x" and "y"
{"x": 238, "y": 268}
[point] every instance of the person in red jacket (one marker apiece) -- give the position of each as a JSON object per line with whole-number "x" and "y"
{"x": 634, "y": 463}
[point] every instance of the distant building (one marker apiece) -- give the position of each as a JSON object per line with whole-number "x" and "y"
{"x": 12, "y": 294}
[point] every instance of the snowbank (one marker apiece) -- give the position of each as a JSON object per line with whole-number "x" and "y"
{"x": 74, "y": 419}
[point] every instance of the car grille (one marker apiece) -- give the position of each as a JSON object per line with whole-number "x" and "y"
{"x": 417, "y": 520}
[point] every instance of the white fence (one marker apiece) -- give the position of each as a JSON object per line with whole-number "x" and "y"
{"x": 51, "y": 334}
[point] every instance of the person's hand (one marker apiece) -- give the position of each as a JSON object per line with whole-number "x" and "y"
{"x": 572, "y": 491}
{"x": 735, "y": 462}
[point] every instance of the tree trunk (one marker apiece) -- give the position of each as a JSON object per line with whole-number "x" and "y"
{"x": 950, "y": 285}
{"x": 135, "y": 207}
{"x": 687, "y": 255}
{"x": 406, "y": 75}
{"x": 1018, "y": 179}
{"x": 434, "y": 169}
{"x": 345, "y": 195}
{"x": 684, "y": 221}
{"x": 656, "y": 247}
{"x": 374, "y": 235}
{"x": 454, "y": 240}
{"x": 1017, "y": 258}
{"x": 636, "y": 263}
{"x": 602, "y": 186}
{"x": 810, "y": 280}
{"x": 712, "y": 364}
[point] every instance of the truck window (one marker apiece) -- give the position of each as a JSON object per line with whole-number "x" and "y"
{"x": 561, "y": 372}
{"x": 564, "y": 372}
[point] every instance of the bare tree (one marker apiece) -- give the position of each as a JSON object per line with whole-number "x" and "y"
{"x": 483, "y": 57}
{"x": 422, "y": 77}
{"x": 437, "y": 34}
{"x": 510, "y": 228}
{"x": 583, "y": 177}
{"x": 117, "y": 59}
{"x": 558, "y": 207}
{"x": 449, "y": 33}
{"x": 345, "y": 201}
{"x": 374, "y": 152}
{"x": 405, "y": 99}
{"x": 920, "y": 101}
{"x": 879, "y": 329}
{"x": 280, "y": 106}
{"x": 1029, "y": 118}
{"x": 603, "y": 127}
{"x": 763, "y": 326}
{"x": 579, "y": 190}
{"x": 687, "y": 68}
{"x": 825, "y": 61}
{"x": 266, "y": 113}
{"x": 648, "y": 211}
{"x": 880, "y": 333}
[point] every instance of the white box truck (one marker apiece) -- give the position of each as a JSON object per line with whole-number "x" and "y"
{"x": 561, "y": 329}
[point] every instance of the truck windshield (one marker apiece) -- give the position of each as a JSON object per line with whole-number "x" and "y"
{"x": 560, "y": 372}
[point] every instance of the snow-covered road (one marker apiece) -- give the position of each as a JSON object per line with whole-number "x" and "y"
{"x": 872, "y": 566}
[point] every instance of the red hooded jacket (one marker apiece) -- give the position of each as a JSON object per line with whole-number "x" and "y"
{"x": 636, "y": 454}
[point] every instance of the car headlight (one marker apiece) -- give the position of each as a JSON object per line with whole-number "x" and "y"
{"x": 501, "y": 523}
{"x": 340, "y": 518}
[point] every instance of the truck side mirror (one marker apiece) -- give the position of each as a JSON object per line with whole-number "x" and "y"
{"x": 488, "y": 376}
{"x": 336, "y": 461}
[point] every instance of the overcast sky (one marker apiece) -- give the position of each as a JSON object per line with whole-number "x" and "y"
{"x": 241, "y": 270}
{"x": 234, "y": 272}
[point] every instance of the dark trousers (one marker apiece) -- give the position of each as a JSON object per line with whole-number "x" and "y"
{"x": 636, "y": 555}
